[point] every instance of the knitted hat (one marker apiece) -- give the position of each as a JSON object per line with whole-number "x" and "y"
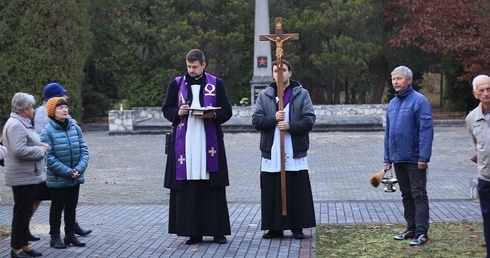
{"x": 52, "y": 104}
{"x": 53, "y": 90}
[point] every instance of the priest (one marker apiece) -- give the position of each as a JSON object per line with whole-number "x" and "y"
{"x": 197, "y": 172}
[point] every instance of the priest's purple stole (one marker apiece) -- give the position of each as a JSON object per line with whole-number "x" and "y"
{"x": 210, "y": 127}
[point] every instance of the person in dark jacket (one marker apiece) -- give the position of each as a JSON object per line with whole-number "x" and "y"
{"x": 197, "y": 172}
{"x": 408, "y": 145}
{"x": 296, "y": 121}
{"x": 66, "y": 160}
{"x": 24, "y": 169}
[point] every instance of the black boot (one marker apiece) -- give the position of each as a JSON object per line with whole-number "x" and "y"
{"x": 81, "y": 231}
{"x": 70, "y": 238}
{"x": 56, "y": 242}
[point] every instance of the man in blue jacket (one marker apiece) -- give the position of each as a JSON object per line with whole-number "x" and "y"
{"x": 408, "y": 146}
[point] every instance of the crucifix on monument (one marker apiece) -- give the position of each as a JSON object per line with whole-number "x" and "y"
{"x": 279, "y": 38}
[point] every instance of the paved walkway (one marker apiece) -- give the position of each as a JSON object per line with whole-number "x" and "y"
{"x": 125, "y": 204}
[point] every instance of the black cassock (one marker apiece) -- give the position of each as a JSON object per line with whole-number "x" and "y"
{"x": 198, "y": 207}
{"x": 300, "y": 209}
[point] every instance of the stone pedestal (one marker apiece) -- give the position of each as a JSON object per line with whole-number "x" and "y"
{"x": 258, "y": 83}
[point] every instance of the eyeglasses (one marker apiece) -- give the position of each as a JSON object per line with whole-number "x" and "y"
{"x": 62, "y": 107}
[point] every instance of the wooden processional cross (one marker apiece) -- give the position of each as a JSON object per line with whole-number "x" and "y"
{"x": 279, "y": 38}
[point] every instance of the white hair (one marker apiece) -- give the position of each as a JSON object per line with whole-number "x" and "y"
{"x": 403, "y": 69}
{"x": 22, "y": 100}
{"x": 479, "y": 78}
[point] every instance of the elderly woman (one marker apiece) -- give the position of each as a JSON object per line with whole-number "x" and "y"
{"x": 66, "y": 160}
{"x": 24, "y": 168}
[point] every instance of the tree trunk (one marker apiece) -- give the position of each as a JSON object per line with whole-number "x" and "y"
{"x": 328, "y": 92}
{"x": 336, "y": 92}
{"x": 383, "y": 77}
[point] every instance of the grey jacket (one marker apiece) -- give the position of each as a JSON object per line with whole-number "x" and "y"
{"x": 301, "y": 119}
{"x": 24, "y": 163}
{"x": 479, "y": 131}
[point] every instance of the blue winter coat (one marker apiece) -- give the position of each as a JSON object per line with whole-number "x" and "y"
{"x": 67, "y": 150}
{"x": 409, "y": 128}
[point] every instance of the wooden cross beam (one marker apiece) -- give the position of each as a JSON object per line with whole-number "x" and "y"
{"x": 279, "y": 38}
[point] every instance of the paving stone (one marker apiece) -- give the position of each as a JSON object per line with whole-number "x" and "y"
{"x": 123, "y": 200}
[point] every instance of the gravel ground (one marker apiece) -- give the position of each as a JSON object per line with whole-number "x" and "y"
{"x": 130, "y": 168}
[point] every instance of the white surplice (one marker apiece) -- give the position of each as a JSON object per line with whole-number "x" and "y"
{"x": 195, "y": 142}
{"x": 291, "y": 164}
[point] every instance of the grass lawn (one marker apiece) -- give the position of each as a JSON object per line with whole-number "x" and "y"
{"x": 458, "y": 239}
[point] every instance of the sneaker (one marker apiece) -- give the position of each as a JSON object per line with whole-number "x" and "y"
{"x": 420, "y": 240}
{"x": 405, "y": 235}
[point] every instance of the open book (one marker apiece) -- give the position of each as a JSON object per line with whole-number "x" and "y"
{"x": 199, "y": 111}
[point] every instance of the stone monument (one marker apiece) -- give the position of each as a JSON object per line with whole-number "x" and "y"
{"x": 262, "y": 75}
